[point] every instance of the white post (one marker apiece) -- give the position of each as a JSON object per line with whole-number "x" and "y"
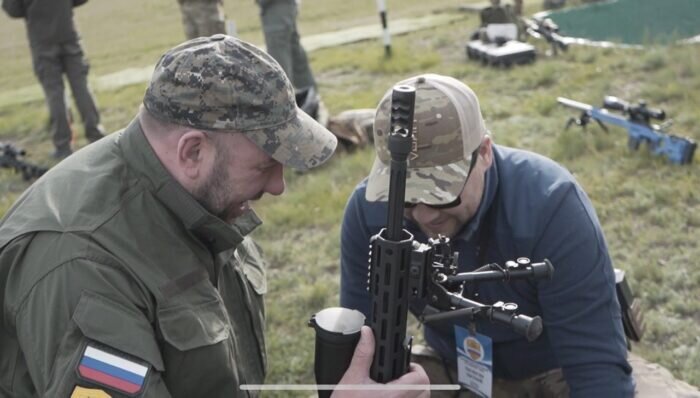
{"x": 381, "y": 6}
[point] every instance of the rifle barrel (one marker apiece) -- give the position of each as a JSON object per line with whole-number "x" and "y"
{"x": 574, "y": 104}
{"x": 399, "y": 144}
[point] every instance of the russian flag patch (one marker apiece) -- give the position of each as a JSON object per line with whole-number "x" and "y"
{"x": 112, "y": 370}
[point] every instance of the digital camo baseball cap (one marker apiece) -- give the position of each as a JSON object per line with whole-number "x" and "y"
{"x": 220, "y": 83}
{"x": 447, "y": 128}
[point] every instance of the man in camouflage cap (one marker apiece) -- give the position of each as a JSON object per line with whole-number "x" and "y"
{"x": 127, "y": 270}
{"x": 444, "y": 157}
{"x": 224, "y": 84}
{"x": 497, "y": 204}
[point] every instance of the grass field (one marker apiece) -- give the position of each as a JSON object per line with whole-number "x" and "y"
{"x": 649, "y": 209}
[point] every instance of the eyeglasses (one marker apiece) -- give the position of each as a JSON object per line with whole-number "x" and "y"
{"x": 458, "y": 200}
{"x": 454, "y": 203}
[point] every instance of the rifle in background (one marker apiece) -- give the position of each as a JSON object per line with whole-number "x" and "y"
{"x": 11, "y": 158}
{"x": 678, "y": 150}
{"x": 545, "y": 28}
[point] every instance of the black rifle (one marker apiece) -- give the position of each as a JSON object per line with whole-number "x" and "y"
{"x": 404, "y": 272}
{"x": 11, "y": 158}
{"x": 391, "y": 252}
{"x": 540, "y": 27}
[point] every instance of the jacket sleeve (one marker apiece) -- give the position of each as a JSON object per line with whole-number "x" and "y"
{"x": 14, "y": 8}
{"x": 86, "y": 325}
{"x": 580, "y": 310}
{"x": 354, "y": 255}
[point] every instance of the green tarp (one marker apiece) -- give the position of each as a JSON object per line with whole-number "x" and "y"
{"x": 632, "y": 21}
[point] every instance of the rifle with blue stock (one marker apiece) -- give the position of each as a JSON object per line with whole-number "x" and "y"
{"x": 637, "y": 119}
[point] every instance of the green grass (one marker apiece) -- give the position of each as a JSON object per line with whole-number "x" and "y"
{"x": 649, "y": 209}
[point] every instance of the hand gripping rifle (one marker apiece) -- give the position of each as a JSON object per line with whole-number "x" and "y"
{"x": 404, "y": 272}
{"x": 678, "y": 150}
{"x": 11, "y": 158}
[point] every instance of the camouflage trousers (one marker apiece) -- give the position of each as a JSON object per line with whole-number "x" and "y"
{"x": 51, "y": 63}
{"x": 550, "y": 384}
{"x": 283, "y": 43}
{"x": 202, "y": 18}
{"x": 651, "y": 380}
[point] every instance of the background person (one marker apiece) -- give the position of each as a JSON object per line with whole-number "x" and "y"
{"x": 56, "y": 51}
{"x": 202, "y": 17}
{"x": 279, "y": 22}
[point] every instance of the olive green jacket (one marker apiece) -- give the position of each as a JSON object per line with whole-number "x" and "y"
{"x": 108, "y": 250}
{"x": 49, "y": 22}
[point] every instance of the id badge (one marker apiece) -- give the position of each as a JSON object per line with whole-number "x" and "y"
{"x": 474, "y": 361}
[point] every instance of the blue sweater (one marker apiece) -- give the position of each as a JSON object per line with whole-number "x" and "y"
{"x": 537, "y": 210}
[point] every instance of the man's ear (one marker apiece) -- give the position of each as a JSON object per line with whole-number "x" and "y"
{"x": 192, "y": 152}
{"x": 485, "y": 151}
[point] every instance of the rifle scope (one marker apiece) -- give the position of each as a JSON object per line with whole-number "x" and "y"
{"x": 638, "y": 112}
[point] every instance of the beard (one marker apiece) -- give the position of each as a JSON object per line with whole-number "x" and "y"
{"x": 214, "y": 194}
{"x": 217, "y": 195}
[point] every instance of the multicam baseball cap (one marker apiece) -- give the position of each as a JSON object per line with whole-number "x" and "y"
{"x": 220, "y": 83}
{"x": 447, "y": 129}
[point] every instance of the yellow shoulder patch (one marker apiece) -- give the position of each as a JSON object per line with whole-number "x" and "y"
{"x": 82, "y": 392}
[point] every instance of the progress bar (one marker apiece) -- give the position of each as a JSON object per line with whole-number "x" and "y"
{"x": 361, "y": 387}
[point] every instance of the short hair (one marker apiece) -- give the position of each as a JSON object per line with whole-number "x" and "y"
{"x": 161, "y": 127}
{"x": 157, "y": 126}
